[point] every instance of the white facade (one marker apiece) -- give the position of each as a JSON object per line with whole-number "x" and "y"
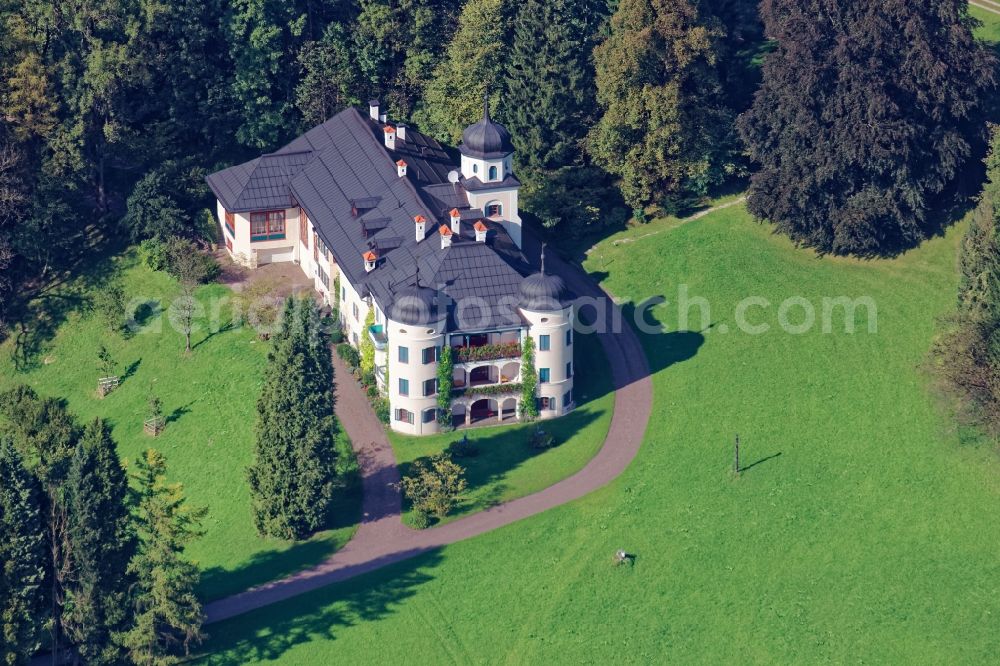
{"x": 487, "y": 364}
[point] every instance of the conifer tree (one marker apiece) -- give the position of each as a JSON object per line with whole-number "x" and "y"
{"x": 167, "y": 617}
{"x": 100, "y": 546}
{"x": 292, "y": 480}
{"x": 666, "y": 130}
{"x": 549, "y": 90}
{"x": 862, "y": 119}
{"x": 23, "y": 559}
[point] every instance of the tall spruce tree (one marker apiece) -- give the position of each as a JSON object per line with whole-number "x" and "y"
{"x": 666, "y": 130}
{"x": 45, "y": 435}
{"x": 100, "y": 542}
{"x": 166, "y": 614}
{"x": 23, "y": 560}
{"x": 863, "y": 117}
{"x": 549, "y": 90}
{"x": 292, "y": 480}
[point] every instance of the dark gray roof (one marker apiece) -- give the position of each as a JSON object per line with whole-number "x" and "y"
{"x": 474, "y": 184}
{"x": 486, "y": 139}
{"x": 542, "y": 292}
{"x": 346, "y": 180}
{"x": 260, "y": 184}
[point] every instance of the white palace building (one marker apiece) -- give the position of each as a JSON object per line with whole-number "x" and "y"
{"x": 435, "y": 251}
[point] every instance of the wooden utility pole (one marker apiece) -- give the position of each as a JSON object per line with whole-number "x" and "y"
{"x": 736, "y": 456}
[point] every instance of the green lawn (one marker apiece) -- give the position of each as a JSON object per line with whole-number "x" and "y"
{"x": 867, "y": 532}
{"x": 209, "y": 399}
{"x": 990, "y": 28}
{"x": 507, "y": 467}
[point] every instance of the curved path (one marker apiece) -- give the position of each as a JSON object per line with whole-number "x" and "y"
{"x": 382, "y": 538}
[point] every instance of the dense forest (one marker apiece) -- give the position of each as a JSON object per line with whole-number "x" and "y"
{"x": 856, "y": 128}
{"x": 114, "y": 111}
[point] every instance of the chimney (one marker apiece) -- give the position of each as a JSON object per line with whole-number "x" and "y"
{"x": 421, "y": 223}
{"x": 445, "y": 236}
{"x": 401, "y": 168}
{"x": 373, "y": 109}
{"x": 401, "y": 131}
{"x": 481, "y": 230}
{"x": 369, "y": 258}
{"x": 456, "y": 220}
{"x": 390, "y": 137}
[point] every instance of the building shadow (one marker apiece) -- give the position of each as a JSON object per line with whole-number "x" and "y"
{"x": 501, "y": 451}
{"x": 270, "y": 632}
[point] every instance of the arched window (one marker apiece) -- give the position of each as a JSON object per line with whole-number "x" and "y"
{"x": 494, "y": 210}
{"x": 493, "y": 173}
{"x": 475, "y": 168}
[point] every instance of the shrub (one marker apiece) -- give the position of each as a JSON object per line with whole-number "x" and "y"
{"x": 336, "y": 335}
{"x": 541, "y": 440}
{"x": 434, "y": 488}
{"x": 348, "y": 354}
{"x": 463, "y": 448}
{"x": 421, "y": 520}
{"x": 153, "y": 254}
{"x": 381, "y": 407}
{"x": 372, "y": 391}
{"x": 110, "y": 305}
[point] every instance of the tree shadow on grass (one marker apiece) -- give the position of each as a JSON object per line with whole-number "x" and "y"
{"x": 501, "y": 451}
{"x": 40, "y": 311}
{"x": 266, "y": 566}
{"x": 663, "y": 348}
{"x": 270, "y": 632}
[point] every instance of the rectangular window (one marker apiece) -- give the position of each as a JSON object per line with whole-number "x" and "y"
{"x": 569, "y": 370}
{"x": 404, "y": 354}
{"x": 404, "y": 415}
{"x": 404, "y": 386}
{"x": 569, "y": 337}
{"x": 231, "y": 224}
{"x": 567, "y": 399}
{"x": 543, "y": 343}
{"x": 430, "y": 415}
{"x": 323, "y": 277}
{"x": 303, "y": 228}
{"x": 315, "y": 247}
{"x": 545, "y": 403}
{"x": 430, "y": 387}
{"x": 267, "y": 226}
{"x": 430, "y": 355}
{"x": 355, "y": 312}
{"x": 543, "y": 375}
{"x": 343, "y": 293}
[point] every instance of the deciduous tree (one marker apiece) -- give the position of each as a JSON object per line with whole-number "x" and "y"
{"x": 665, "y": 130}
{"x": 863, "y": 118}
{"x": 472, "y": 66}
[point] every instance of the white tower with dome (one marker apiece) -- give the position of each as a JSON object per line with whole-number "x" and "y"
{"x": 488, "y": 173}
